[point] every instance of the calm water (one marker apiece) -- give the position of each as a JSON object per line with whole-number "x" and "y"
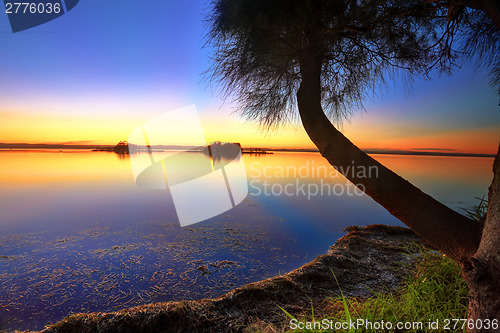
{"x": 77, "y": 234}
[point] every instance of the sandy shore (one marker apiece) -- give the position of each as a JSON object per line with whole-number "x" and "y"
{"x": 364, "y": 261}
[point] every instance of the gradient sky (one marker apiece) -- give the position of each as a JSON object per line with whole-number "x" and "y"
{"x": 99, "y": 71}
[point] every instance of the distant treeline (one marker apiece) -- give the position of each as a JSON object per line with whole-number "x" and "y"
{"x": 245, "y": 150}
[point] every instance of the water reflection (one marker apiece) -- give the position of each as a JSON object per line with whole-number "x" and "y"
{"x": 79, "y": 235}
{"x": 38, "y": 185}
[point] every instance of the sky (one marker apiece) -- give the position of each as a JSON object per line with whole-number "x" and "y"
{"x": 94, "y": 74}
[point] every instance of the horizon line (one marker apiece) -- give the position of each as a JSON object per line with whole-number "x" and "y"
{"x": 384, "y": 151}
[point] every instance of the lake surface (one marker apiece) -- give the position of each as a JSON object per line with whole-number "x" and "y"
{"x": 78, "y": 235}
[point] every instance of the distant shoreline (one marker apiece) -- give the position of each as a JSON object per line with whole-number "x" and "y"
{"x": 4, "y": 146}
{"x": 392, "y": 152}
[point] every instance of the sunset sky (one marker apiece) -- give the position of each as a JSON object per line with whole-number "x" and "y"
{"x": 96, "y": 73}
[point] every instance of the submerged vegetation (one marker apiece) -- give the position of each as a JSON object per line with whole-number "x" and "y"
{"x": 47, "y": 275}
{"x": 377, "y": 273}
{"x": 365, "y": 261}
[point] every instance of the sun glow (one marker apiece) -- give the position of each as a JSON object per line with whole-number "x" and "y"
{"x": 107, "y": 130}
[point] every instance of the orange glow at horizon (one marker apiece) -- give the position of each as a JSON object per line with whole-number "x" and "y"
{"x": 56, "y": 129}
{"x": 368, "y": 134}
{"x": 479, "y": 141}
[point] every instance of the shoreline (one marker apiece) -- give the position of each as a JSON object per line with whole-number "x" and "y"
{"x": 370, "y": 151}
{"x": 366, "y": 260}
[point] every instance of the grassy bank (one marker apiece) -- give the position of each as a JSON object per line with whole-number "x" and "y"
{"x": 434, "y": 293}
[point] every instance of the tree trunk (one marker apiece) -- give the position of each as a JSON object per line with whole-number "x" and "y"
{"x": 442, "y": 227}
{"x": 482, "y": 271}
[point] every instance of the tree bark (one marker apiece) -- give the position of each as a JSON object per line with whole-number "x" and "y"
{"x": 482, "y": 271}
{"x": 442, "y": 227}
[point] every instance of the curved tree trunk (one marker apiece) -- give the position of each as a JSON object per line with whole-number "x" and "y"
{"x": 442, "y": 227}
{"x": 482, "y": 271}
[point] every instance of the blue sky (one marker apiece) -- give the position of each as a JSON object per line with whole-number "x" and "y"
{"x": 111, "y": 64}
{"x": 111, "y": 47}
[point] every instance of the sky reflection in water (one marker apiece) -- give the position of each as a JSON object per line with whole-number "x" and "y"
{"x": 79, "y": 235}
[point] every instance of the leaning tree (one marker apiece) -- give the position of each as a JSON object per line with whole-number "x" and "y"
{"x": 321, "y": 58}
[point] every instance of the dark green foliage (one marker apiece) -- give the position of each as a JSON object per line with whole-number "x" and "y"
{"x": 259, "y": 47}
{"x": 482, "y": 45}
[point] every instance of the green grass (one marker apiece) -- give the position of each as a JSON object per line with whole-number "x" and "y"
{"x": 477, "y": 212}
{"x": 436, "y": 291}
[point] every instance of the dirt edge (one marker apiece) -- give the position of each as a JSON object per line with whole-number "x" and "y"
{"x": 366, "y": 260}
